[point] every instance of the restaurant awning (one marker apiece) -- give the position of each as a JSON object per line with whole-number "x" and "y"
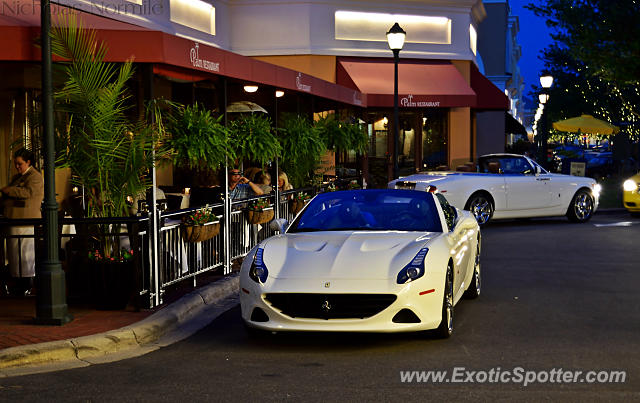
{"x": 490, "y": 97}
{"x": 422, "y": 83}
{"x": 174, "y": 56}
{"x": 512, "y": 126}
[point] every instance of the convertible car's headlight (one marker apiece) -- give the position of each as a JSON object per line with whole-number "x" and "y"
{"x": 415, "y": 269}
{"x": 629, "y": 185}
{"x": 258, "y": 271}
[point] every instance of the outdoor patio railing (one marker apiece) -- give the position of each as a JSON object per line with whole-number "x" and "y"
{"x": 159, "y": 261}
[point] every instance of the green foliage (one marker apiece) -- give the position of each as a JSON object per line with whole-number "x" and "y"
{"x": 342, "y": 136}
{"x": 302, "y": 148}
{"x": 109, "y": 156}
{"x": 595, "y": 59}
{"x": 198, "y": 139}
{"x": 601, "y": 33}
{"x": 252, "y": 138}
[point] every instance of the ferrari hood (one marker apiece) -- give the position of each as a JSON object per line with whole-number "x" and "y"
{"x": 342, "y": 255}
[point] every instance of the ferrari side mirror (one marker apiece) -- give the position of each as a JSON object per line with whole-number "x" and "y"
{"x": 280, "y": 225}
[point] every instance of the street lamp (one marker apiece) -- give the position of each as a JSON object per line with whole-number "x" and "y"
{"x": 546, "y": 80}
{"x": 51, "y": 298}
{"x": 395, "y": 38}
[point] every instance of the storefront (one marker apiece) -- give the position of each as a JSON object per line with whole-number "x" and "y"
{"x": 174, "y": 68}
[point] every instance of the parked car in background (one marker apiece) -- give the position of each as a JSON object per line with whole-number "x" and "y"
{"x": 631, "y": 194}
{"x": 377, "y": 260}
{"x": 600, "y": 165}
{"x": 510, "y": 186}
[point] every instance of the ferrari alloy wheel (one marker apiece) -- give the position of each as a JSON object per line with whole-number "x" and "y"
{"x": 581, "y": 208}
{"x": 481, "y": 208}
{"x": 445, "y": 330}
{"x": 476, "y": 281}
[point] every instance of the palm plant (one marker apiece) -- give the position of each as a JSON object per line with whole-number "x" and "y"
{"x": 109, "y": 156}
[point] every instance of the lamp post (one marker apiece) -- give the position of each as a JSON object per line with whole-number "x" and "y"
{"x": 51, "y": 299}
{"x": 546, "y": 80}
{"x": 395, "y": 39}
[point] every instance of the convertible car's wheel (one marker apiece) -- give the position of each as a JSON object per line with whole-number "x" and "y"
{"x": 445, "y": 330}
{"x": 476, "y": 281}
{"x": 581, "y": 207}
{"x": 481, "y": 206}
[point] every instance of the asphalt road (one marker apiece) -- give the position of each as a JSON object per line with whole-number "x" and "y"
{"x": 555, "y": 295}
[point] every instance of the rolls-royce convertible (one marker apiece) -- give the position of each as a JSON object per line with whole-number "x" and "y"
{"x": 510, "y": 186}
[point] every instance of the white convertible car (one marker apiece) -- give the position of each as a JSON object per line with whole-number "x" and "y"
{"x": 378, "y": 260}
{"x": 510, "y": 186}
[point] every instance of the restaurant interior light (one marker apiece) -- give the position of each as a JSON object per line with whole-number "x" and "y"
{"x": 395, "y": 37}
{"x": 251, "y": 88}
{"x": 279, "y": 93}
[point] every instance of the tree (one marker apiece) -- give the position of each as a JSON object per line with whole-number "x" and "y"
{"x": 601, "y": 33}
{"x": 594, "y": 59}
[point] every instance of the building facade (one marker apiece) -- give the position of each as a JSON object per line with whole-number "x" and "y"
{"x": 330, "y": 55}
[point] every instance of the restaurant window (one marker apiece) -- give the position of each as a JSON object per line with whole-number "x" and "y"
{"x": 434, "y": 138}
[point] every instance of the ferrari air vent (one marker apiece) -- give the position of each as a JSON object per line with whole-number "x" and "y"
{"x": 330, "y": 306}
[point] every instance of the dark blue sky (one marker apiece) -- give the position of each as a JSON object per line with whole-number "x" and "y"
{"x": 533, "y": 37}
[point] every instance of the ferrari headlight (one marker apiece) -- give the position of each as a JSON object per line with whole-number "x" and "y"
{"x": 258, "y": 271}
{"x": 415, "y": 269}
{"x": 629, "y": 185}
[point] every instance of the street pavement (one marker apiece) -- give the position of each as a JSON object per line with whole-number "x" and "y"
{"x": 148, "y": 332}
{"x": 555, "y": 295}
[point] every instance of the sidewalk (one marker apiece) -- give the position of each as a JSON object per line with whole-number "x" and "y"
{"x": 93, "y": 334}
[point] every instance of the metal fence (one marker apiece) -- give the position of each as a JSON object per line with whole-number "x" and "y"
{"x": 161, "y": 258}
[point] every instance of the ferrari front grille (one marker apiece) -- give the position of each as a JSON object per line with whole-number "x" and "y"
{"x": 330, "y": 306}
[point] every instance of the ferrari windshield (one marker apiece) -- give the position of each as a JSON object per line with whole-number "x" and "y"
{"x": 370, "y": 210}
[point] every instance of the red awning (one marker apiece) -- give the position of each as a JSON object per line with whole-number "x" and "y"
{"x": 170, "y": 53}
{"x": 421, "y": 83}
{"x": 489, "y": 96}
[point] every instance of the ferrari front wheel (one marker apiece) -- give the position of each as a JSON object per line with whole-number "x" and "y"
{"x": 445, "y": 330}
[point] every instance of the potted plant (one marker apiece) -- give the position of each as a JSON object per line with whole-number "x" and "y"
{"x": 109, "y": 155}
{"x": 252, "y": 138}
{"x": 198, "y": 140}
{"x": 259, "y": 211}
{"x": 111, "y": 279}
{"x": 201, "y": 225}
{"x": 298, "y": 202}
{"x": 302, "y": 149}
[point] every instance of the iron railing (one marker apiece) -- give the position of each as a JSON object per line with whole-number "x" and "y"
{"x": 160, "y": 261}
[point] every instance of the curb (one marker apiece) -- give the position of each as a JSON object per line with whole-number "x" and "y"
{"x": 139, "y": 334}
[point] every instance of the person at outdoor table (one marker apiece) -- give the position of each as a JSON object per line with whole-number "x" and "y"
{"x": 263, "y": 179}
{"x": 22, "y": 198}
{"x": 241, "y": 187}
{"x": 283, "y": 182}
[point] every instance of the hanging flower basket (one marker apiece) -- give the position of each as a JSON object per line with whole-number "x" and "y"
{"x": 199, "y": 233}
{"x": 260, "y": 217}
{"x": 298, "y": 202}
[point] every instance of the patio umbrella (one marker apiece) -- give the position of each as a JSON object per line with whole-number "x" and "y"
{"x": 585, "y": 124}
{"x": 245, "y": 106}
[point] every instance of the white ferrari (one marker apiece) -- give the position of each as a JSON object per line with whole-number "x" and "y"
{"x": 380, "y": 260}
